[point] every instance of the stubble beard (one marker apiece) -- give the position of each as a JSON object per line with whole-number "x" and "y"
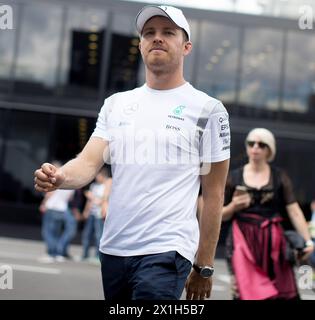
{"x": 160, "y": 67}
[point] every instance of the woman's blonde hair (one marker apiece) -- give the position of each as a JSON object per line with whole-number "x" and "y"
{"x": 267, "y": 137}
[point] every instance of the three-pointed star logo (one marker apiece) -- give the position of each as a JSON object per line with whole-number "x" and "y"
{"x": 130, "y": 109}
{"x": 178, "y": 110}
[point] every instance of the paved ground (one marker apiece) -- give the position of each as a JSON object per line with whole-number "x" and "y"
{"x": 71, "y": 280}
{"x": 64, "y": 280}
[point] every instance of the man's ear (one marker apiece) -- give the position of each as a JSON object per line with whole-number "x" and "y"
{"x": 139, "y": 46}
{"x": 188, "y": 48}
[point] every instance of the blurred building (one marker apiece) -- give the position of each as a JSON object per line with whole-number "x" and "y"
{"x": 63, "y": 58}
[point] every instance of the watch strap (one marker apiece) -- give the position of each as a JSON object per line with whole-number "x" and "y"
{"x": 197, "y": 268}
{"x": 201, "y": 270}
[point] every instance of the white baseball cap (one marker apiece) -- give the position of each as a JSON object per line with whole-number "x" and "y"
{"x": 172, "y": 13}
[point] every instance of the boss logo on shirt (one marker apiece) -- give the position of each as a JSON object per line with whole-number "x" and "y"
{"x": 170, "y": 127}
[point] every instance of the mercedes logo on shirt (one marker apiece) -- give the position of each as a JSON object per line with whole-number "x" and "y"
{"x": 130, "y": 109}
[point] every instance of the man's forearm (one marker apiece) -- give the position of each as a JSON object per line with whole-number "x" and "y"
{"x": 210, "y": 225}
{"x": 82, "y": 170}
{"x": 78, "y": 173}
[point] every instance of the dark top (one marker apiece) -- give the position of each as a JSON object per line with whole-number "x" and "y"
{"x": 78, "y": 200}
{"x": 271, "y": 199}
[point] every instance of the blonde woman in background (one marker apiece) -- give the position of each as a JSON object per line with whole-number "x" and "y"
{"x": 257, "y": 195}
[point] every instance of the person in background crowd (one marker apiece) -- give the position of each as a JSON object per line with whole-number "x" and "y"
{"x": 257, "y": 194}
{"x": 72, "y": 217}
{"x": 54, "y": 208}
{"x": 95, "y": 212}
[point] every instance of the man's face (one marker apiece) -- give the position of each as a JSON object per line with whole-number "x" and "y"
{"x": 162, "y": 45}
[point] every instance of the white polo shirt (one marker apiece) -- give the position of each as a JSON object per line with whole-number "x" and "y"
{"x": 158, "y": 140}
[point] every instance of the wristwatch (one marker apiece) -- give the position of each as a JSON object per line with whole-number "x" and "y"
{"x": 204, "y": 271}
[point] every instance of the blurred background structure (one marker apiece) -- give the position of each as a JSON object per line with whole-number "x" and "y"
{"x": 63, "y": 58}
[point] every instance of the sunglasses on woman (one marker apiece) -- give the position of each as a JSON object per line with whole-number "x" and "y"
{"x": 261, "y": 145}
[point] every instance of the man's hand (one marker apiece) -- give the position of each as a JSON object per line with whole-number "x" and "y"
{"x": 48, "y": 178}
{"x": 198, "y": 288}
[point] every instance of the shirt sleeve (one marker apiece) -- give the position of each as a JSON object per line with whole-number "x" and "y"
{"x": 102, "y": 130}
{"x": 288, "y": 192}
{"x": 215, "y": 141}
{"x": 229, "y": 189}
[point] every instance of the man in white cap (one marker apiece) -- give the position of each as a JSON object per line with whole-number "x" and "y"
{"x": 158, "y": 136}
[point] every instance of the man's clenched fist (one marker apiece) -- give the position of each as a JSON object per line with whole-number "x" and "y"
{"x": 48, "y": 178}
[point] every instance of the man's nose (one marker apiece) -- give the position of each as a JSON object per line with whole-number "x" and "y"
{"x": 158, "y": 38}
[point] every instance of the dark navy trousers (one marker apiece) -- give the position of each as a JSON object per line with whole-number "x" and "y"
{"x": 159, "y": 276}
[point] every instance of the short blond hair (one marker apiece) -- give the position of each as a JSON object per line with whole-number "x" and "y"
{"x": 267, "y": 137}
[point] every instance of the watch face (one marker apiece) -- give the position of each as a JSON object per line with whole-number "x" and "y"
{"x": 206, "y": 272}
